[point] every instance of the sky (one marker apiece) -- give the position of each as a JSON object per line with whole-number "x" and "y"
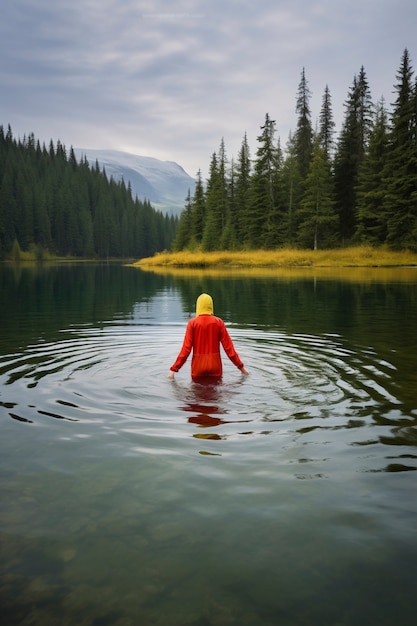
{"x": 171, "y": 78}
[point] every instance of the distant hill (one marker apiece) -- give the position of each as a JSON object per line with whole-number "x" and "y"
{"x": 164, "y": 183}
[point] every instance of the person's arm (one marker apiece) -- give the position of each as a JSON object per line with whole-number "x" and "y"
{"x": 229, "y": 348}
{"x": 184, "y": 352}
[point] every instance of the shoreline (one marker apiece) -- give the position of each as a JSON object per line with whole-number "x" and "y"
{"x": 285, "y": 258}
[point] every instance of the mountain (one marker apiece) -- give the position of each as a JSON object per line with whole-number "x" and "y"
{"x": 164, "y": 183}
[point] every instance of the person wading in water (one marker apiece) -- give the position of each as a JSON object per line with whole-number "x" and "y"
{"x": 204, "y": 334}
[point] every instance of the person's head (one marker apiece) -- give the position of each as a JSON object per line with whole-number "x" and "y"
{"x": 204, "y": 305}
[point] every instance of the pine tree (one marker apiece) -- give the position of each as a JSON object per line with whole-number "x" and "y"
{"x": 318, "y": 220}
{"x": 7, "y": 209}
{"x": 223, "y": 186}
{"x": 303, "y": 139}
{"x": 23, "y": 218}
{"x": 228, "y": 238}
{"x": 198, "y": 210}
{"x": 372, "y": 183}
{"x": 276, "y": 225}
{"x": 326, "y": 129}
{"x": 401, "y": 198}
{"x": 51, "y": 202}
{"x": 351, "y": 149}
{"x": 262, "y": 205}
{"x": 291, "y": 191}
{"x": 241, "y": 191}
{"x": 216, "y": 202}
{"x": 365, "y": 110}
{"x": 183, "y": 239}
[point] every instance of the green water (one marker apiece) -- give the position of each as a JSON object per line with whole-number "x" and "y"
{"x": 287, "y": 497}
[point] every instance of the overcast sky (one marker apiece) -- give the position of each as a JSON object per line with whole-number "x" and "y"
{"x": 170, "y": 78}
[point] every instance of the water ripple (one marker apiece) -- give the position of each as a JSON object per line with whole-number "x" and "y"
{"x": 112, "y": 382}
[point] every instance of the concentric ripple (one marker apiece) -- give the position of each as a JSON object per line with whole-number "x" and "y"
{"x": 310, "y": 391}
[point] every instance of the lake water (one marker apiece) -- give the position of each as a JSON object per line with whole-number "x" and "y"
{"x": 286, "y": 497}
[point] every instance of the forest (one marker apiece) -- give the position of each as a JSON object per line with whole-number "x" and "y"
{"x": 52, "y": 205}
{"x": 318, "y": 191}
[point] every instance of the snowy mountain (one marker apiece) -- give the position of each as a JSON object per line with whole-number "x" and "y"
{"x": 164, "y": 183}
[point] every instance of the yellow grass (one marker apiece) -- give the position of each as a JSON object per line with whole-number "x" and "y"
{"x": 359, "y": 256}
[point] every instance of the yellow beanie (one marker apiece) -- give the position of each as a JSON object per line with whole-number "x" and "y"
{"x": 204, "y": 305}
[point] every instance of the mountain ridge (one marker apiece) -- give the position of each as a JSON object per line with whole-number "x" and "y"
{"x": 165, "y": 184}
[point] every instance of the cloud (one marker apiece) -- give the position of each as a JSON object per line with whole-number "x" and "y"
{"x": 170, "y": 78}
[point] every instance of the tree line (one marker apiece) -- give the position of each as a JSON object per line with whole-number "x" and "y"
{"x": 50, "y": 202}
{"x": 319, "y": 191}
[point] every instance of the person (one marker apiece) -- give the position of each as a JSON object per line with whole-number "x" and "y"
{"x": 204, "y": 334}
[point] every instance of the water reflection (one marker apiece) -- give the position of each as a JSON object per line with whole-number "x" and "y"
{"x": 43, "y": 301}
{"x": 206, "y": 400}
{"x": 373, "y": 308}
{"x": 128, "y": 498}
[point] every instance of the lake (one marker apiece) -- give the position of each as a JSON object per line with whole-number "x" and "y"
{"x": 285, "y": 497}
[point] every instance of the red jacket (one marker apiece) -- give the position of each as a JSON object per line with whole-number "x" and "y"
{"x": 203, "y": 336}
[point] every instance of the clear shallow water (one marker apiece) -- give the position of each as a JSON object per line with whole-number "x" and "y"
{"x": 288, "y": 496}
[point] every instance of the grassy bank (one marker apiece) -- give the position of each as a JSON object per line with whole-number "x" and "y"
{"x": 359, "y": 256}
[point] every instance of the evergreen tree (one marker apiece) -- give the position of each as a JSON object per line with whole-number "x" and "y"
{"x": 327, "y": 124}
{"x": 7, "y": 209}
{"x": 198, "y": 210}
{"x": 216, "y": 202}
{"x": 241, "y": 191}
{"x": 401, "y": 198}
{"x": 291, "y": 191}
{"x": 262, "y": 207}
{"x": 318, "y": 221}
{"x": 303, "y": 139}
{"x": 228, "y": 237}
{"x": 351, "y": 149}
{"x": 372, "y": 184}
{"x": 223, "y": 186}
{"x": 23, "y": 216}
{"x": 277, "y": 223}
{"x": 183, "y": 239}
{"x": 148, "y": 228}
{"x": 365, "y": 111}
{"x": 48, "y": 201}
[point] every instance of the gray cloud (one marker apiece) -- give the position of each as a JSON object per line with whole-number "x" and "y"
{"x": 171, "y": 78}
